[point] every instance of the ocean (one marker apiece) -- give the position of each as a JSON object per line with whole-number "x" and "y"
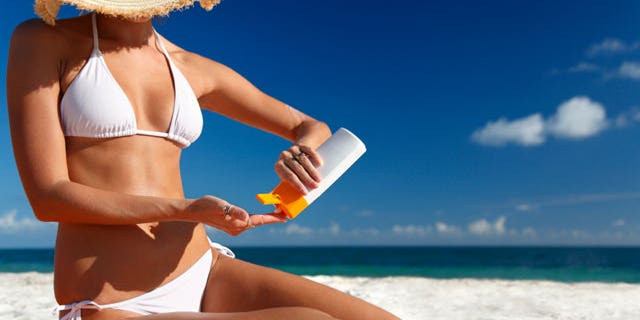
{"x": 560, "y": 264}
{"x": 415, "y": 283}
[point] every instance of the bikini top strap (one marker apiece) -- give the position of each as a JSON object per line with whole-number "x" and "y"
{"x": 94, "y": 26}
{"x": 160, "y": 44}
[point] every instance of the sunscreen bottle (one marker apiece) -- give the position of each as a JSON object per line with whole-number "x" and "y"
{"x": 338, "y": 153}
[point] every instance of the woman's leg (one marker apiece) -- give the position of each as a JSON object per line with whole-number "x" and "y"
{"x": 238, "y": 290}
{"x": 238, "y": 286}
{"x": 289, "y": 313}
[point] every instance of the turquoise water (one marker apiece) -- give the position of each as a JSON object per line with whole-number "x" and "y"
{"x": 565, "y": 264}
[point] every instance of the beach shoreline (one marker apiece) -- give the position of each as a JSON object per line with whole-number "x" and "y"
{"x": 29, "y": 295}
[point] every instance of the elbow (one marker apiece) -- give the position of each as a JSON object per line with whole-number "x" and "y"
{"x": 42, "y": 209}
{"x": 43, "y": 216}
{"x": 46, "y": 204}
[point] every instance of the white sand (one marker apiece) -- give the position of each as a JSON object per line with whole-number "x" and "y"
{"x": 29, "y": 296}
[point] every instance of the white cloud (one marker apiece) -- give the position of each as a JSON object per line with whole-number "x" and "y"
{"x": 578, "y": 118}
{"x": 411, "y": 230}
{"x": 628, "y": 118}
{"x": 630, "y": 70}
{"x": 334, "y": 229}
{"x": 584, "y": 67}
{"x": 294, "y": 229}
{"x": 480, "y": 227}
{"x": 368, "y": 232}
{"x": 580, "y": 234}
{"x": 484, "y": 227}
{"x": 618, "y": 223}
{"x": 529, "y": 232}
{"x": 524, "y": 207}
{"x": 623, "y": 120}
{"x": 528, "y": 131}
{"x": 447, "y": 229}
{"x": 578, "y": 199}
{"x": 10, "y": 225}
{"x": 365, "y": 213}
{"x": 499, "y": 225}
{"x": 626, "y": 70}
{"x": 611, "y": 46}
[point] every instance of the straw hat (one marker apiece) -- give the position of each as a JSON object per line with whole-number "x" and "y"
{"x": 48, "y": 9}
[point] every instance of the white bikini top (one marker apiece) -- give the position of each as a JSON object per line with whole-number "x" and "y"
{"x": 95, "y": 105}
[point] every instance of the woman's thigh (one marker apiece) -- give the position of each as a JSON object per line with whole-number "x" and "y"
{"x": 267, "y": 314}
{"x": 292, "y": 313}
{"x": 289, "y": 313}
{"x": 238, "y": 286}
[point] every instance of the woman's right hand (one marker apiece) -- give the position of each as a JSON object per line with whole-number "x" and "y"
{"x": 231, "y": 219}
{"x": 298, "y": 166}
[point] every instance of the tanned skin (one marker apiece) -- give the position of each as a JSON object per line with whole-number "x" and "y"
{"x": 125, "y": 227}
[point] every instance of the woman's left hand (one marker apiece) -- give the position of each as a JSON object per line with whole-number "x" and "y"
{"x": 298, "y": 166}
{"x": 231, "y": 219}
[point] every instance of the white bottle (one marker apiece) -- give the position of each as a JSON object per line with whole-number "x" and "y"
{"x": 338, "y": 153}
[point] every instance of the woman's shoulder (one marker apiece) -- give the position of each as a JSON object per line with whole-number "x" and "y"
{"x": 34, "y": 34}
{"x": 177, "y": 53}
{"x": 188, "y": 60}
{"x": 34, "y": 30}
{"x": 202, "y": 72}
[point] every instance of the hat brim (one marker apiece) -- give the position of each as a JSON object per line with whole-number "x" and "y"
{"x": 133, "y": 9}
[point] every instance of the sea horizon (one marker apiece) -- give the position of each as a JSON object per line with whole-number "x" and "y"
{"x": 395, "y": 246}
{"x": 607, "y": 264}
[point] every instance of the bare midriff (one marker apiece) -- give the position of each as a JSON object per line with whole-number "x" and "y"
{"x": 110, "y": 263}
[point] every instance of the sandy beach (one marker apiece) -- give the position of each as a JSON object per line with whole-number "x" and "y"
{"x": 29, "y": 296}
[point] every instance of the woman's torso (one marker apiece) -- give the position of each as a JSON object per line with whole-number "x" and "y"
{"x": 109, "y": 263}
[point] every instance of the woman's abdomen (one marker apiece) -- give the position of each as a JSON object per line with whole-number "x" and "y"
{"x": 110, "y": 263}
{"x": 117, "y": 262}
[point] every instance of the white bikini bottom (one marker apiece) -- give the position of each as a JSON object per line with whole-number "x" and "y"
{"x": 183, "y": 293}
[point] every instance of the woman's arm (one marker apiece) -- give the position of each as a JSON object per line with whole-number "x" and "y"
{"x": 226, "y": 92}
{"x": 33, "y": 90}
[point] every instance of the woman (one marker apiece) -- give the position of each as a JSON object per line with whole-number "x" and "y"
{"x": 100, "y": 109}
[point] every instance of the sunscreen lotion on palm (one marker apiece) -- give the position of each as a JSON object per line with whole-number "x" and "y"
{"x": 338, "y": 153}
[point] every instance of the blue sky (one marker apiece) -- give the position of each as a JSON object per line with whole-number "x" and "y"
{"x": 493, "y": 123}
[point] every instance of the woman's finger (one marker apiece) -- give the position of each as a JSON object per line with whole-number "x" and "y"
{"x": 256, "y": 220}
{"x": 313, "y": 155}
{"x": 238, "y": 213}
{"x": 268, "y": 218}
{"x": 308, "y": 166}
{"x": 301, "y": 172}
{"x": 298, "y": 166}
{"x": 286, "y": 174}
{"x": 309, "y": 159}
{"x": 239, "y": 218}
{"x": 226, "y": 209}
{"x": 241, "y": 221}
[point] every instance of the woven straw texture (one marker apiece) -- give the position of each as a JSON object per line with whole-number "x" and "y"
{"x": 48, "y": 9}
